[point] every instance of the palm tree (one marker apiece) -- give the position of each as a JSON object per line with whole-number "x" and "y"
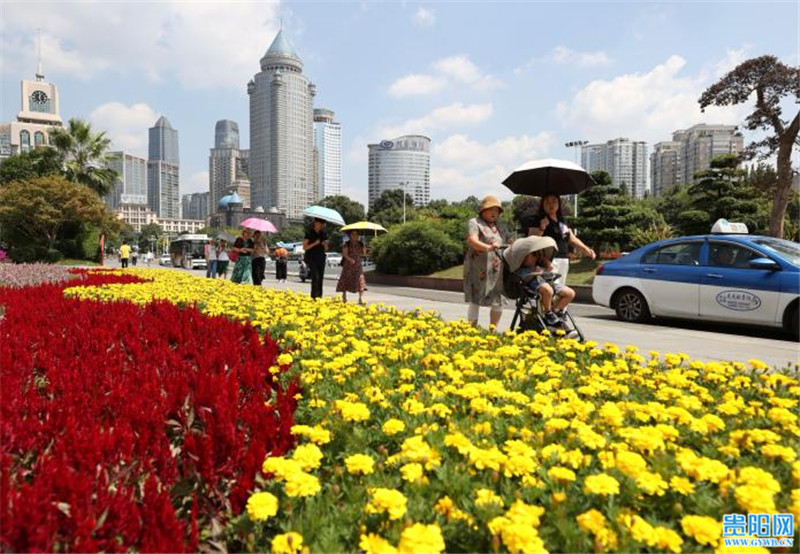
{"x": 85, "y": 155}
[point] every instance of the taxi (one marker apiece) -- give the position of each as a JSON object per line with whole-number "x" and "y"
{"x": 726, "y": 276}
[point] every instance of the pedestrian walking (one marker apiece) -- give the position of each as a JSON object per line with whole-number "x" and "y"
{"x": 352, "y": 277}
{"x": 549, "y": 222}
{"x": 260, "y": 253}
{"x": 124, "y": 254}
{"x": 135, "y": 255}
{"x": 482, "y": 265}
{"x": 281, "y": 264}
{"x": 210, "y": 253}
{"x": 243, "y": 269}
{"x": 315, "y": 244}
{"x": 222, "y": 259}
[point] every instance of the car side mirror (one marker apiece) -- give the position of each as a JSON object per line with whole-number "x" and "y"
{"x": 764, "y": 263}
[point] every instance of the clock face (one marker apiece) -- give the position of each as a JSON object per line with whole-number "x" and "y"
{"x": 39, "y": 97}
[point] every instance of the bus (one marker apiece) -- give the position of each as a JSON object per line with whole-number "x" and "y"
{"x": 187, "y": 251}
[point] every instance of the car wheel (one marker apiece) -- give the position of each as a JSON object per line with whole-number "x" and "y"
{"x": 631, "y": 306}
{"x": 794, "y": 323}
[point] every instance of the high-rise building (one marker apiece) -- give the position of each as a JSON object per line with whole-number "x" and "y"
{"x": 163, "y": 170}
{"x": 328, "y": 163}
{"x": 665, "y": 166}
{"x": 402, "y": 163}
{"x": 691, "y": 151}
{"x": 195, "y": 205}
{"x": 701, "y": 143}
{"x": 131, "y": 184}
{"x": 625, "y": 160}
{"x": 281, "y": 169}
{"x": 227, "y": 165}
{"x": 38, "y": 114}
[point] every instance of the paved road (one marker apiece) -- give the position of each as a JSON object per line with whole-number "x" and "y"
{"x": 701, "y": 341}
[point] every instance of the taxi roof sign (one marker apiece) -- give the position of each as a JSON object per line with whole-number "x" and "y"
{"x": 723, "y": 226}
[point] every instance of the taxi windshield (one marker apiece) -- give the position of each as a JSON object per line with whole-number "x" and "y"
{"x": 787, "y": 249}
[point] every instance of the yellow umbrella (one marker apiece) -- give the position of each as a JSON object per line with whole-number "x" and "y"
{"x": 364, "y": 226}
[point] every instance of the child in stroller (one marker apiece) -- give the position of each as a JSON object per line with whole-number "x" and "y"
{"x": 541, "y": 303}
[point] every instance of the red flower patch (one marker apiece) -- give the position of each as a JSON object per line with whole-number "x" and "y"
{"x": 127, "y": 427}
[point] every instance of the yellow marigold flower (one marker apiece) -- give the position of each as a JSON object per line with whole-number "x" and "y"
{"x": 359, "y": 464}
{"x": 413, "y": 406}
{"x": 559, "y": 497}
{"x": 630, "y": 463}
{"x": 421, "y": 538}
{"x": 681, "y": 485}
{"x": 308, "y": 456}
{"x": 388, "y": 501}
{"x": 281, "y": 467}
{"x": 640, "y": 530}
{"x": 785, "y": 453}
{"x": 287, "y": 543}
{"x": 521, "y": 538}
{"x": 555, "y": 424}
{"x": 261, "y": 506}
{"x": 559, "y": 473}
{"x": 375, "y": 544}
{"x": 412, "y": 472}
{"x": 285, "y": 359}
{"x": 652, "y": 483}
{"x": 302, "y": 484}
{"x": 591, "y": 521}
{"x": 602, "y": 484}
{"x": 754, "y": 499}
{"x": 782, "y": 416}
{"x": 352, "y": 411}
{"x": 667, "y": 539}
{"x": 393, "y": 426}
{"x": 487, "y": 497}
{"x": 520, "y": 512}
{"x": 703, "y": 529}
{"x": 319, "y": 435}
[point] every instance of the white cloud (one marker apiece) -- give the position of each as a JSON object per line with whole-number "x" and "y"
{"x": 425, "y": 17}
{"x": 198, "y": 182}
{"x": 461, "y": 165}
{"x": 458, "y": 70}
{"x": 199, "y": 44}
{"x": 648, "y": 106}
{"x": 562, "y": 55}
{"x": 126, "y": 126}
{"x": 416, "y": 85}
{"x": 446, "y": 117}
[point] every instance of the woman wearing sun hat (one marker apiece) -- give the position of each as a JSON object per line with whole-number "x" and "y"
{"x": 483, "y": 268}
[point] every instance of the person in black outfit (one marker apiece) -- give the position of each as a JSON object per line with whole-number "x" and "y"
{"x": 549, "y": 222}
{"x": 315, "y": 244}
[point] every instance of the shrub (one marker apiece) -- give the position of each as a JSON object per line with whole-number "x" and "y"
{"x": 416, "y": 248}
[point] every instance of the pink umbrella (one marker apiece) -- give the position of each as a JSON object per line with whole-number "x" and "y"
{"x": 259, "y": 225}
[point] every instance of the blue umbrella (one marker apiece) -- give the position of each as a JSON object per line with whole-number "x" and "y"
{"x": 326, "y": 214}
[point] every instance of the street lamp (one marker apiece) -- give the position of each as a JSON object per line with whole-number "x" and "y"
{"x": 577, "y": 145}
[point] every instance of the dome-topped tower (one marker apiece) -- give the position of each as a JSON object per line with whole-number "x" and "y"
{"x": 281, "y": 54}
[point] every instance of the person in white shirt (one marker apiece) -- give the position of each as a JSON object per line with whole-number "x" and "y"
{"x": 210, "y": 252}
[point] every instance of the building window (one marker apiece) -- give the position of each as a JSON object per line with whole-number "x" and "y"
{"x": 38, "y": 138}
{"x": 24, "y": 141}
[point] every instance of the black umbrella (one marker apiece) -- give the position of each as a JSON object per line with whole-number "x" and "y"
{"x": 549, "y": 176}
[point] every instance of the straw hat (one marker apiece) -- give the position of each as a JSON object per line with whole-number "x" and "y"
{"x": 490, "y": 202}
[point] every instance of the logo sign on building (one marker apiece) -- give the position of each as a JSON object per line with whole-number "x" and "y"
{"x": 386, "y": 145}
{"x": 739, "y": 300}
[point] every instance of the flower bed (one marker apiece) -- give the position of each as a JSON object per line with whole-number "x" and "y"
{"x": 421, "y": 435}
{"x": 24, "y": 275}
{"x": 128, "y": 427}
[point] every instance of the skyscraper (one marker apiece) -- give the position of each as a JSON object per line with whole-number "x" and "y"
{"x": 227, "y": 165}
{"x": 665, "y": 166}
{"x": 195, "y": 205}
{"x": 163, "y": 177}
{"x": 281, "y": 132}
{"x": 328, "y": 142}
{"x": 402, "y": 163}
{"x": 131, "y": 184}
{"x": 625, "y": 160}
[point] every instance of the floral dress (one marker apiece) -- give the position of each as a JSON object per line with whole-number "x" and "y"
{"x": 352, "y": 277}
{"x": 483, "y": 270}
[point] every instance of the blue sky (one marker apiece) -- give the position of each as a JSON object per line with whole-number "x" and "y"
{"x": 493, "y": 84}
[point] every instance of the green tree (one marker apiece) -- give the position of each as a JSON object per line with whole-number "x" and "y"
{"x": 721, "y": 193}
{"x": 523, "y": 209}
{"x": 416, "y": 248}
{"x": 350, "y": 210}
{"x": 149, "y": 235}
{"x": 605, "y": 219}
{"x": 85, "y": 155}
{"x": 388, "y": 208}
{"x": 36, "y": 214}
{"x": 773, "y": 83}
{"x": 38, "y": 162}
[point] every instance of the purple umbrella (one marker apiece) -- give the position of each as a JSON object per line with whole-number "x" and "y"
{"x": 259, "y": 225}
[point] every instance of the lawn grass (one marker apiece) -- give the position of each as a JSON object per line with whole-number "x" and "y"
{"x": 69, "y": 261}
{"x": 581, "y": 272}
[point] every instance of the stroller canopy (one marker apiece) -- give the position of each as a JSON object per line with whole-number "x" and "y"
{"x": 515, "y": 254}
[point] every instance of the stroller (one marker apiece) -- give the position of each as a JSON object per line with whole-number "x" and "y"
{"x": 528, "y": 315}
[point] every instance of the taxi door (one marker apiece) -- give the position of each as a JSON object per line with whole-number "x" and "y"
{"x": 670, "y": 277}
{"x": 732, "y": 290}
